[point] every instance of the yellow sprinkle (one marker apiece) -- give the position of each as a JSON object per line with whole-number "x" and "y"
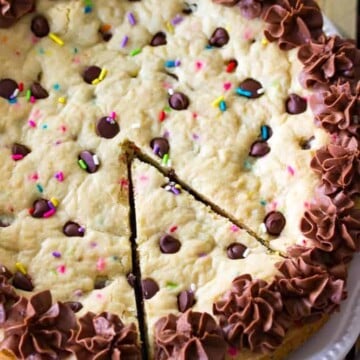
{"x": 169, "y": 27}
{"x": 21, "y": 268}
{"x": 54, "y": 201}
{"x": 95, "y": 82}
{"x": 177, "y": 186}
{"x": 103, "y": 74}
{"x": 56, "y": 39}
{"x": 264, "y": 41}
{"x": 62, "y": 100}
{"x": 217, "y": 101}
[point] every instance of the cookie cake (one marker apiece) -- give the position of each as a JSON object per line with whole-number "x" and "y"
{"x": 178, "y": 180}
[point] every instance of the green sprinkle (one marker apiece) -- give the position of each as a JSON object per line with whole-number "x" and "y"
{"x": 247, "y": 164}
{"x": 40, "y": 188}
{"x": 171, "y": 285}
{"x": 165, "y": 159}
{"x": 135, "y": 52}
{"x": 28, "y": 95}
{"x": 44, "y": 126}
{"x": 263, "y": 202}
{"x": 82, "y": 164}
{"x": 167, "y": 109}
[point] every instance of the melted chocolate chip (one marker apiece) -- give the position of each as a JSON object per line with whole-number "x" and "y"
{"x": 91, "y": 73}
{"x": 169, "y": 244}
{"x": 259, "y": 148}
{"x": 250, "y": 88}
{"x": 274, "y": 223}
{"x": 90, "y": 160}
{"x": 236, "y": 251}
{"x": 107, "y": 127}
{"x": 100, "y": 282}
{"x": 295, "y": 104}
{"x": 149, "y": 287}
{"x": 158, "y": 39}
{"x": 75, "y": 306}
{"x": 131, "y": 279}
{"x": 38, "y": 91}
{"x": 185, "y": 300}
{"x": 19, "y": 149}
{"x": 179, "y": 101}
{"x": 7, "y": 88}
{"x": 4, "y": 271}
{"x": 40, "y": 207}
{"x": 219, "y": 37}
{"x": 22, "y": 282}
{"x": 40, "y": 26}
{"x": 73, "y": 229}
{"x": 160, "y": 146}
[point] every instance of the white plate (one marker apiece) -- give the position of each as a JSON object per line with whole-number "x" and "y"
{"x": 336, "y": 338}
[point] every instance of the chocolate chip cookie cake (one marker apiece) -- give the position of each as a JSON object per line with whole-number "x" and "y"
{"x": 178, "y": 180}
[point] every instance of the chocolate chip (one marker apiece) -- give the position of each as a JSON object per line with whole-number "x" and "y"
{"x": 107, "y": 127}
{"x": 19, "y": 149}
{"x": 22, "y": 282}
{"x": 73, "y": 229}
{"x": 75, "y": 306}
{"x": 236, "y": 251}
{"x": 160, "y": 146}
{"x": 40, "y": 207}
{"x": 219, "y": 37}
{"x": 169, "y": 244}
{"x": 40, "y": 26}
{"x": 107, "y": 36}
{"x": 306, "y": 144}
{"x": 90, "y": 160}
{"x": 149, "y": 287}
{"x": 100, "y": 282}
{"x": 91, "y": 73}
{"x": 131, "y": 278}
{"x": 179, "y": 101}
{"x": 274, "y": 223}
{"x": 295, "y": 104}
{"x": 38, "y": 91}
{"x": 4, "y": 271}
{"x": 158, "y": 39}
{"x": 7, "y": 88}
{"x": 259, "y": 148}
{"x": 250, "y": 88}
{"x": 185, "y": 300}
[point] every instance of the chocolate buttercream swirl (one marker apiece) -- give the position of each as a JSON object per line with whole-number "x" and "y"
{"x": 7, "y": 298}
{"x": 12, "y": 10}
{"x": 104, "y": 336}
{"x": 251, "y": 315}
{"x": 338, "y": 165}
{"x": 192, "y": 335}
{"x": 308, "y": 291}
{"x": 331, "y": 223}
{"x": 338, "y": 108}
{"x": 37, "y": 329}
{"x": 293, "y": 22}
{"x": 330, "y": 60}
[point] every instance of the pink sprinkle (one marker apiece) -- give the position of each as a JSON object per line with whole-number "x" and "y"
{"x": 61, "y": 269}
{"x": 100, "y": 265}
{"x": 234, "y": 228}
{"x": 291, "y": 170}
{"x": 17, "y": 157}
{"x": 59, "y": 176}
{"x": 232, "y": 351}
{"x": 195, "y": 115}
{"x": 167, "y": 85}
{"x": 143, "y": 178}
{"x": 199, "y": 65}
{"x": 124, "y": 183}
{"x": 248, "y": 34}
{"x": 227, "y": 86}
{"x": 274, "y": 205}
{"x": 76, "y": 60}
{"x": 34, "y": 177}
{"x": 32, "y": 99}
{"x": 113, "y": 115}
{"x": 173, "y": 229}
{"x": 306, "y": 205}
{"x": 32, "y": 123}
{"x": 34, "y": 40}
{"x": 99, "y": 296}
{"x": 49, "y": 213}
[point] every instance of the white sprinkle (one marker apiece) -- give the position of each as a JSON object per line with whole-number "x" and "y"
{"x": 263, "y": 228}
{"x": 246, "y": 253}
{"x": 171, "y": 92}
{"x": 193, "y": 287}
{"x": 96, "y": 160}
{"x": 261, "y": 91}
{"x": 135, "y": 126}
{"x": 15, "y": 93}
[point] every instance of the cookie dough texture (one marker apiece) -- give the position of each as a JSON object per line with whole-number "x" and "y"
{"x": 201, "y": 265}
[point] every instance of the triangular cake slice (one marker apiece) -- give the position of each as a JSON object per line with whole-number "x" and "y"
{"x": 188, "y": 254}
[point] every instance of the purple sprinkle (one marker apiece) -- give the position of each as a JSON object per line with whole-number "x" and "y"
{"x": 51, "y": 205}
{"x": 177, "y": 62}
{"x": 124, "y": 41}
{"x": 81, "y": 229}
{"x": 131, "y": 19}
{"x": 166, "y": 134}
{"x": 56, "y": 254}
{"x": 176, "y": 191}
{"x": 177, "y": 20}
{"x": 195, "y": 137}
{"x": 93, "y": 244}
{"x": 156, "y": 149}
{"x": 78, "y": 293}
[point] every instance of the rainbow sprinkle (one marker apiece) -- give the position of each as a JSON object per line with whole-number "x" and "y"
{"x": 56, "y": 39}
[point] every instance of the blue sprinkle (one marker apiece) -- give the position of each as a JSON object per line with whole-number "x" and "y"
{"x": 40, "y": 188}
{"x": 265, "y": 132}
{"x": 56, "y": 87}
{"x": 208, "y": 47}
{"x": 243, "y": 92}
{"x": 222, "y": 106}
{"x": 170, "y": 63}
{"x": 13, "y": 101}
{"x": 87, "y": 9}
{"x": 44, "y": 127}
